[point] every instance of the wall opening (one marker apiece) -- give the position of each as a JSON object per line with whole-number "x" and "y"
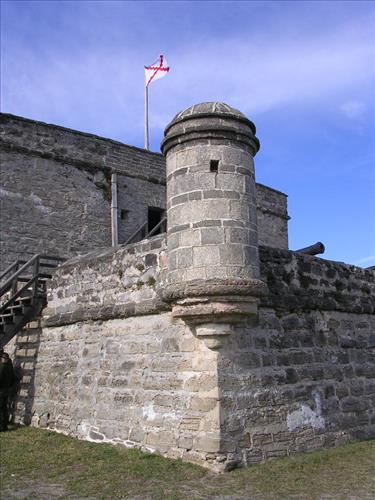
{"x": 124, "y": 214}
{"x": 214, "y": 165}
{"x": 155, "y": 215}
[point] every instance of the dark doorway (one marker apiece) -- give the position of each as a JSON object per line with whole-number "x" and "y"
{"x": 155, "y": 216}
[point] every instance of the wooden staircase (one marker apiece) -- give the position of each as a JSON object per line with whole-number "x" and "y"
{"x": 23, "y": 293}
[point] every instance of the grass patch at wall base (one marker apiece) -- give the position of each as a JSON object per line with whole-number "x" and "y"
{"x": 37, "y": 463}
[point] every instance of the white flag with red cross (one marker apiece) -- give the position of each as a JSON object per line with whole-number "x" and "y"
{"x": 156, "y": 70}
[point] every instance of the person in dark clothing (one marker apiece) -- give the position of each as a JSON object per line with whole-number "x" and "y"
{"x": 6, "y": 382}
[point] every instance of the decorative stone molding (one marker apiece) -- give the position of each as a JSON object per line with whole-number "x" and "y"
{"x": 213, "y": 334}
{"x": 214, "y": 287}
{"x": 211, "y": 319}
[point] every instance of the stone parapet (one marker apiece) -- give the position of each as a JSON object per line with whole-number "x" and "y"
{"x": 31, "y": 137}
{"x": 303, "y": 282}
{"x": 126, "y": 281}
{"x": 109, "y": 283}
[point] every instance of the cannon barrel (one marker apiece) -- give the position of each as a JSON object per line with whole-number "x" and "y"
{"x": 318, "y": 247}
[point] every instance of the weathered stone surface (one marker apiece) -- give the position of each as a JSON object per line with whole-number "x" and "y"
{"x": 272, "y": 217}
{"x": 107, "y": 284}
{"x": 56, "y": 191}
{"x": 150, "y": 405}
{"x": 205, "y": 144}
{"x": 302, "y": 282}
{"x": 284, "y": 383}
{"x": 211, "y": 348}
{"x": 57, "y": 178}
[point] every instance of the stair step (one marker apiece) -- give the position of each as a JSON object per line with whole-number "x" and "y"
{"x": 16, "y": 309}
{"x": 16, "y": 306}
{"x": 42, "y": 264}
{"x": 47, "y": 276}
{"x": 25, "y": 301}
{"x": 28, "y": 293}
{"x": 20, "y": 305}
{"x": 42, "y": 277}
{"x": 10, "y": 310}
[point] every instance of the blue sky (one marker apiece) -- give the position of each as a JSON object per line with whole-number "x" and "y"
{"x": 303, "y": 71}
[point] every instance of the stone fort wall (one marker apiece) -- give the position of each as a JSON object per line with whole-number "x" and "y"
{"x": 56, "y": 191}
{"x": 199, "y": 343}
{"x": 113, "y": 365}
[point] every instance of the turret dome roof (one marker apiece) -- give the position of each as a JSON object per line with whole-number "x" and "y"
{"x": 209, "y": 108}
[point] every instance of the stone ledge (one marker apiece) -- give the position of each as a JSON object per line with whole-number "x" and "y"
{"x": 209, "y": 133}
{"x": 267, "y": 211}
{"x": 106, "y": 313}
{"x": 304, "y": 282}
{"x": 213, "y": 287}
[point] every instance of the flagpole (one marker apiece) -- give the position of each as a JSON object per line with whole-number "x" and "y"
{"x": 146, "y": 116}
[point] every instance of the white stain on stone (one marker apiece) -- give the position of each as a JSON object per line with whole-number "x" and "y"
{"x": 149, "y": 449}
{"x": 9, "y": 194}
{"x": 130, "y": 444}
{"x": 39, "y": 203}
{"x": 35, "y": 200}
{"x": 83, "y": 429}
{"x": 307, "y": 417}
{"x": 149, "y": 412}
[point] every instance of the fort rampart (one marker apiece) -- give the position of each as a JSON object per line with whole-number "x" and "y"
{"x": 203, "y": 342}
{"x": 114, "y": 366}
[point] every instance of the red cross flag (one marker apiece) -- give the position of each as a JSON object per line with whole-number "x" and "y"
{"x": 157, "y": 70}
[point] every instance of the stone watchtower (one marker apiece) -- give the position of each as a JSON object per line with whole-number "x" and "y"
{"x": 213, "y": 265}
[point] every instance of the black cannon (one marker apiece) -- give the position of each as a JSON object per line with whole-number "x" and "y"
{"x": 313, "y": 249}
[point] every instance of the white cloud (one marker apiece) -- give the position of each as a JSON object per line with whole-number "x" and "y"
{"x": 262, "y": 75}
{"x": 257, "y": 76}
{"x": 353, "y": 109}
{"x": 102, "y": 91}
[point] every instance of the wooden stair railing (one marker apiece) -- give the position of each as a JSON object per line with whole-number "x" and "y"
{"x": 142, "y": 233}
{"x": 23, "y": 294}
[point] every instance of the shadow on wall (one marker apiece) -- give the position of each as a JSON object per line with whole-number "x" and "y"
{"x": 289, "y": 383}
{"x": 25, "y": 359}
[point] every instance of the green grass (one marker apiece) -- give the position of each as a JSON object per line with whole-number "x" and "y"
{"x": 40, "y": 464}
